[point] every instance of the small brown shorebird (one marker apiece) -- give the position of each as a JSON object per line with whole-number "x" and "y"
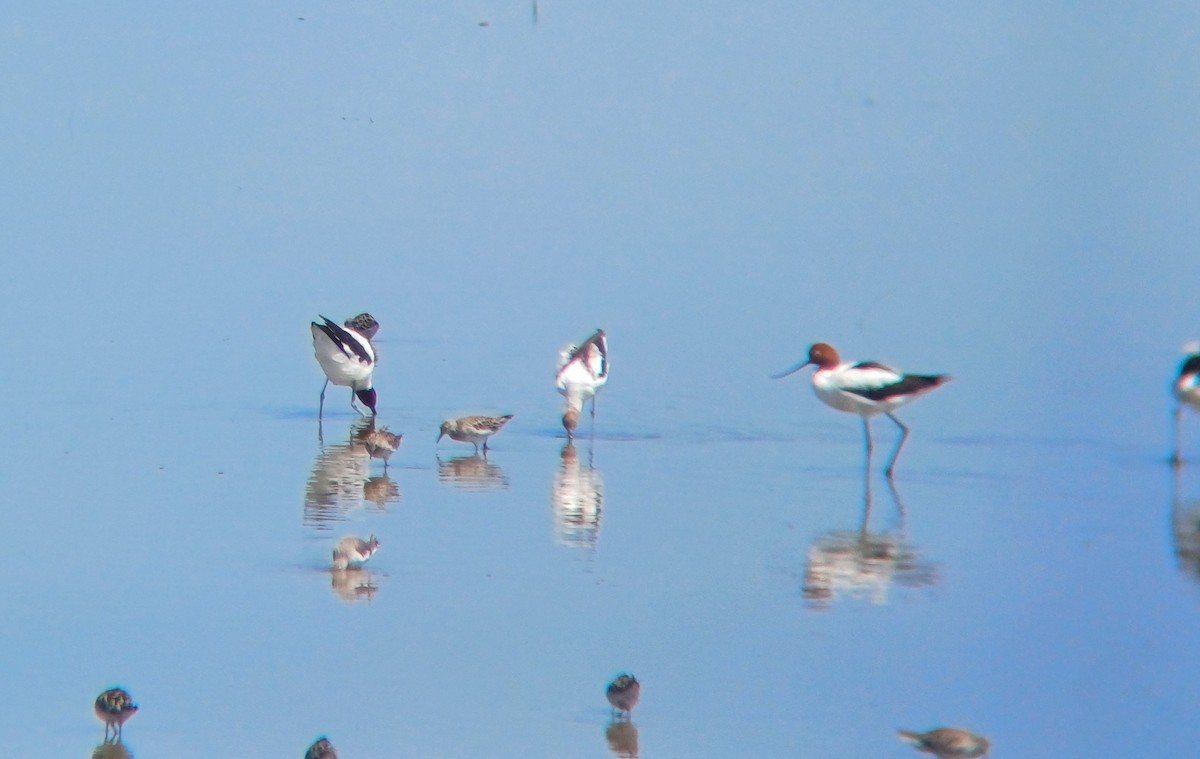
{"x": 473, "y": 429}
{"x": 381, "y": 444}
{"x": 865, "y": 388}
{"x": 114, "y": 706}
{"x": 353, "y": 551}
{"x": 322, "y": 749}
{"x": 948, "y": 743}
{"x": 623, "y": 694}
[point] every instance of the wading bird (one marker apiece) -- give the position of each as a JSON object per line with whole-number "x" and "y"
{"x": 866, "y": 388}
{"x": 582, "y": 372}
{"x": 347, "y": 357}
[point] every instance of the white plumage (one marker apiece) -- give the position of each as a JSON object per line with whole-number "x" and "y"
{"x": 865, "y": 388}
{"x": 582, "y": 372}
{"x": 347, "y": 357}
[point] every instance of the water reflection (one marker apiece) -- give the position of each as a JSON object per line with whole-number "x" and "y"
{"x": 381, "y": 491}
{"x": 577, "y": 500}
{"x": 341, "y": 480}
{"x": 864, "y": 564}
{"x": 622, "y": 737}
{"x": 471, "y": 473}
{"x": 1185, "y": 528}
{"x": 948, "y": 743}
{"x": 353, "y": 584}
{"x": 108, "y": 750}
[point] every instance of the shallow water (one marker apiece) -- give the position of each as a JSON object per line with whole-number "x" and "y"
{"x": 1001, "y": 194}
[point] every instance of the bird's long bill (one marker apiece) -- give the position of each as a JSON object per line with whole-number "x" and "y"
{"x": 791, "y": 370}
{"x": 441, "y": 434}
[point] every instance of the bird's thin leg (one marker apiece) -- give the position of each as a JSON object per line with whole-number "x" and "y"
{"x": 867, "y": 437}
{"x": 485, "y": 447}
{"x": 1176, "y": 459}
{"x": 900, "y": 510}
{"x": 891, "y": 467}
{"x": 321, "y": 406}
{"x": 476, "y": 447}
{"x": 866, "y": 494}
{"x": 354, "y": 405}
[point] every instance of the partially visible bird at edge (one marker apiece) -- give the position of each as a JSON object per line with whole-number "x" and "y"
{"x": 1187, "y": 392}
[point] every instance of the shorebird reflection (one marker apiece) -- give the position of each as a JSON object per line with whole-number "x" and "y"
{"x": 338, "y": 480}
{"x": 471, "y": 473}
{"x": 862, "y": 564}
{"x": 353, "y": 584}
{"x": 381, "y": 491}
{"x": 108, "y": 750}
{"x": 1185, "y": 529}
{"x": 577, "y": 500}
{"x": 622, "y": 737}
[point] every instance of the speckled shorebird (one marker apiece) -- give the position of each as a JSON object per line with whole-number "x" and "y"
{"x": 381, "y": 444}
{"x": 347, "y": 357}
{"x": 473, "y": 429}
{"x": 623, "y": 694}
{"x": 114, "y": 706}
{"x": 322, "y": 749}
{"x": 1187, "y": 391}
{"x": 582, "y": 372}
{"x": 353, "y": 551}
{"x": 948, "y": 743}
{"x": 865, "y": 388}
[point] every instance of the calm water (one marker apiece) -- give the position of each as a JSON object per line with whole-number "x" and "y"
{"x": 1003, "y": 194}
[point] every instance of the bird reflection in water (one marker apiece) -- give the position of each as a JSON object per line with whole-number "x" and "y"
{"x": 108, "y": 750}
{"x": 622, "y": 737}
{"x": 1185, "y": 528}
{"x": 341, "y": 480}
{"x": 353, "y": 584}
{"x": 623, "y": 693}
{"x": 948, "y": 743}
{"x": 471, "y": 473}
{"x": 380, "y": 491}
{"x": 577, "y": 499}
{"x": 862, "y": 564}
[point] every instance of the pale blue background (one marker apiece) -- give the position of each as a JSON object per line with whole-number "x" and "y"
{"x": 1003, "y": 193}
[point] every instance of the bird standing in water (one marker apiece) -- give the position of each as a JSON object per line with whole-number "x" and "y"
{"x": 582, "y": 372}
{"x": 352, "y": 551}
{"x": 623, "y": 694}
{"x": 865, "y": 388}
{"x": 472, "y": 429}
{"x": 347, "y": 357}
{"x": 114, "y": 706}
{"x": 381, "y": 444}
{"x": 1187, "y": 391}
